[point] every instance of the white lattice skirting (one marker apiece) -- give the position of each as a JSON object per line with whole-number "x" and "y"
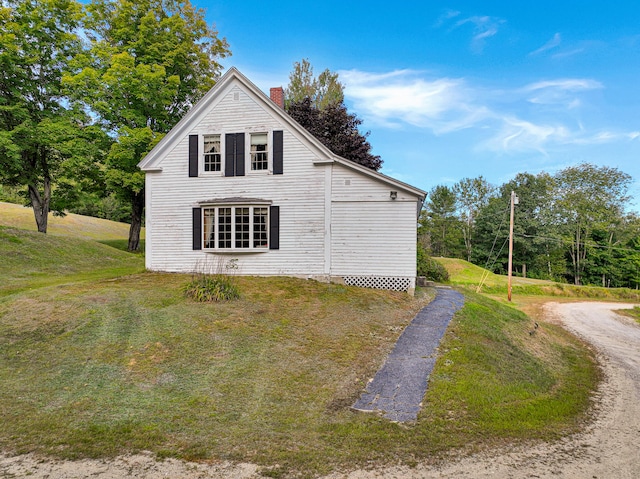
{"x": 380, "y": 282}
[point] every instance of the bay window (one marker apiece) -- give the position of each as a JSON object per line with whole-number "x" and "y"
{"x": 229, "y": 227}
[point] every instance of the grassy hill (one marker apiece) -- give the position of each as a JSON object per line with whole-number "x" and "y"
{"x": 478, "y": 279}
{"x": 77, "y": 226}
{"x": 33, "y": 260}
{"x": 98, "y": 358}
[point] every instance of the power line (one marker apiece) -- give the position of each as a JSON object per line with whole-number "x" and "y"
{"x": 592, "y": 244}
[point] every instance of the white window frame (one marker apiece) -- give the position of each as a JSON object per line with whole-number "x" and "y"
{"x": 252, "y": 154}
{"x": 258, "y": 239}
{"x": 220, "y": 153}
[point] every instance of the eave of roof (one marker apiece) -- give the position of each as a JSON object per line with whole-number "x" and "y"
{"x": 325, "y": 155}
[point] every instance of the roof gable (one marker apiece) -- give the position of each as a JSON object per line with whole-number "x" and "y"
{"x": 151, "y": 161}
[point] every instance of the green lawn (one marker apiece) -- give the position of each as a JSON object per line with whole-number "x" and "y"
{"x": 475, "y": 278}
{"x": 98, "y": 358}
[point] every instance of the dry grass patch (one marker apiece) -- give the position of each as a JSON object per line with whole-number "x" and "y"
{"x": 76, "y": 226}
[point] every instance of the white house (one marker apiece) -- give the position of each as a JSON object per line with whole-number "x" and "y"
{"x": 237, "y": 181}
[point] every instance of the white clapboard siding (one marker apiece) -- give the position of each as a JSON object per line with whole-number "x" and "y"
{"x": 299, "y": 193}
{"x": 336, "y": 219}
{"x": 371, "y": 234}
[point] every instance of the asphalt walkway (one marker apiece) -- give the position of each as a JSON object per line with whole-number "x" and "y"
{"x": 398, "y": 387}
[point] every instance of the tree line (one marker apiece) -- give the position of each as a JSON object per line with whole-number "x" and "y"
{"x": 87, "y": 90}
{"x": 572, "y": 226}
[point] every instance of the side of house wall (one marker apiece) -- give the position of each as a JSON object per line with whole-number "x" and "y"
{"x": 373, "y": 236}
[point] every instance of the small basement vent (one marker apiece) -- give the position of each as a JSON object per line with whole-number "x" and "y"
{"x": 379, "y": 282}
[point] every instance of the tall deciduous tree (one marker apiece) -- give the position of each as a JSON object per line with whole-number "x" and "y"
{"x": 337, "y": 129}
{"x": 38, "y": 134}
{"x": 323, "y": 90}
{"x": 588, "y": 197}
{"x": 439, "y": 226}
{"x": 318, "y": 105}
{"x": 537, "y": 248}
{"x": 472, "y": 194}
{"x": 149, "y": 61}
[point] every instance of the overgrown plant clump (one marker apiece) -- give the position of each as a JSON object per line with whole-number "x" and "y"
{"x": 207, "y": 287}
{"x": 429, "y": 267}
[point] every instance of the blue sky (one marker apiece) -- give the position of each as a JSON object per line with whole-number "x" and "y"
{"x": 458, "y": 89}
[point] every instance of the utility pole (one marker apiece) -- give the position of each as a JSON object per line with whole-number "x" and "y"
{"x": 514, "y": 201}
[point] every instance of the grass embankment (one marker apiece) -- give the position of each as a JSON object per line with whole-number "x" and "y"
{"x": 470, "y": 276}
{"x": 32, "y": 260}
{"x": 632, "y": 313}
{"x": 98, "y": 368}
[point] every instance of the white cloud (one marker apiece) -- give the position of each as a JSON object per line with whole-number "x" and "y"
{"x": 550, "y": 45}
{"x": 445, "y": 105}
{"x": 484, "y": 27}
{"x": 441, "y": 104}
{"x": 570, "y": 84}
{"x": 560, "y": 92}
{"x": 517, "y": 135}
{"x": 448, "y": 15}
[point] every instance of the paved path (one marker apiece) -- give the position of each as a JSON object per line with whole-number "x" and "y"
{"x": 398, "y": 387}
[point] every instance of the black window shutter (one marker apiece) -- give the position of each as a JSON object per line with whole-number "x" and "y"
{"x": 197, "y": 228}
{"x": 239, "y": 154}
{"x": 277, "y": 153}
{"x": 193, "y": 156}
{"x": 230, "y": 154}
{"x": 274, "y": 227}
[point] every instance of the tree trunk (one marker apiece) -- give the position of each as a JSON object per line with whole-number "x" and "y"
{"x": 137, "y": 207}
{"x": 40, "y": 204}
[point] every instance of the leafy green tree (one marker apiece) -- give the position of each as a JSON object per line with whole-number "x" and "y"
{"x": 613, "y": 254}
{"x": 318, "y": 105}
{"x": 439, "y": 228}
{"x": 148, "y": 62}
{"x": 588, "y": 198}
{"x": 322, "y": 91}
{"x": 537, "y": 248}
{"x": 472, "y": 194}
{"x": 631, "y": 262}
{"x": 39, "y": 135}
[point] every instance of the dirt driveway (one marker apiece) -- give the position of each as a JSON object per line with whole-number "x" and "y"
{"x": 610, "y": 448}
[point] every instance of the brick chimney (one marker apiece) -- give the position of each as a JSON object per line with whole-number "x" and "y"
{"x": 277, "y": 96}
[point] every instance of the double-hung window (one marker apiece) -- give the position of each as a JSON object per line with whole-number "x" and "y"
{"x": 227, "y": 153}
{"x": 259, "y": 152}
{"x": 212, "y": 160}
{"x": 233, "y": 227}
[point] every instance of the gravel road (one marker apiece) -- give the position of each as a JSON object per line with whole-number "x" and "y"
{"x": 609, "y": 448}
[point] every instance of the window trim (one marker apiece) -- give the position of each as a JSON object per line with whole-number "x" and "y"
{"x": 203, "y": 155}
{"x": 234, "y": 204}
{"x": 273, "y": 152}
{"x": 267, "y": 151}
